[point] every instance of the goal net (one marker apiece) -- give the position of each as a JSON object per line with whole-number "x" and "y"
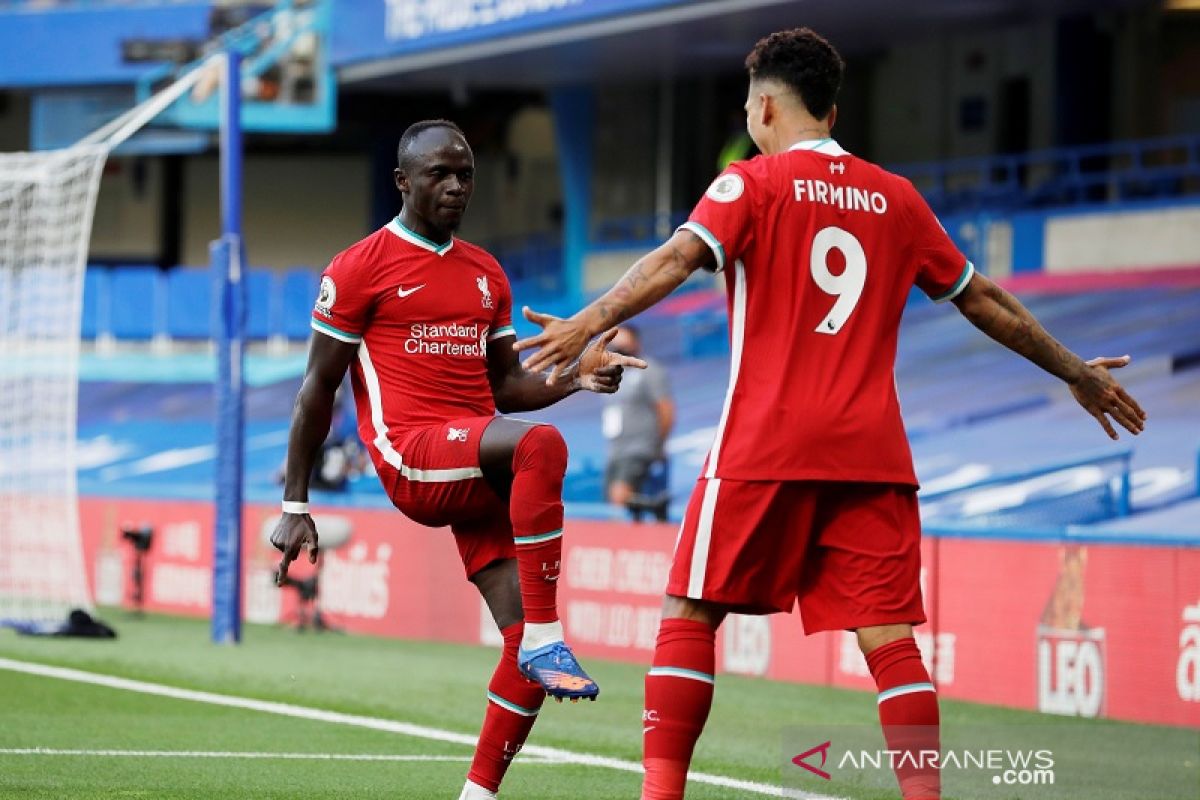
{"x": 46, "y": 205}
{"x": 46, "y": 202}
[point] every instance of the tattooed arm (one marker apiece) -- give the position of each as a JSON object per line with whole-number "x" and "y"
{"x": 651, "y": 279}
{"x": 1002, "y": 317}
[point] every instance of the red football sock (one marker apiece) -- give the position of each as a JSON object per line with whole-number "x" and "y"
{"x": 679, "y": 692}
{"x": 539, "y": 463}
{"x": 908, "y": 711}
{"x": 513, "y": 704}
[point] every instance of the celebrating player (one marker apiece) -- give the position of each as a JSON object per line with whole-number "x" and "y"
{"x": 809, "y": 492}
{"x": 426, "y": 321}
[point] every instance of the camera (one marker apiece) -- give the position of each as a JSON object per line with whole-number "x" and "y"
{"x": 140, "y": 536}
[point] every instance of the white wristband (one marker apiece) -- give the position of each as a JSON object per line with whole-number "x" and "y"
{"x": 292, "y": 507}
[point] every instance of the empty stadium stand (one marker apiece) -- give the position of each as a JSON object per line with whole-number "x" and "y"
{"x": 973, "y": 410}
{"x": 141, "y": 303}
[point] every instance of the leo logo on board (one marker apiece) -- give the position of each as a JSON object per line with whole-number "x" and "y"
{"x": 1070, "y": 653}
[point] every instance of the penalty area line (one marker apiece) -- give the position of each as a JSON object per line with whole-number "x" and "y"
{"x": 374, "y": 723}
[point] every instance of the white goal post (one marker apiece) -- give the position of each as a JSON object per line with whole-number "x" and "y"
{"x": 47, "y": 200}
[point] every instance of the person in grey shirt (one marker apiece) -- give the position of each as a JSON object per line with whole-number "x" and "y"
{"x": 637, "y": 421}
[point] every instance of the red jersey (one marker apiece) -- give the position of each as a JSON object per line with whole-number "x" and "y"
{"x": 820, "y": 250}
{"x": 422, "y": 315}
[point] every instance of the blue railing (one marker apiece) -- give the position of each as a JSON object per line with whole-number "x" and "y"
{"x": 1063, "y": 176}
{"x": 636, "y": 229}
{"x": 1067, "y": 534}
{"x": 1082, "y": 490}
{"x": 1063, "y": 514}
{"x": 533, "y": 263}
{"x": 1101, "y": 173}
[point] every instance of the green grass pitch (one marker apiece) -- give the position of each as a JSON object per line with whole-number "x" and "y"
{"x": 178, "y": 748}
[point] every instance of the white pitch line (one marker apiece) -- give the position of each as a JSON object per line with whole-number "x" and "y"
{"x": 47, "y": 751}
{"x": 374, "y": 723}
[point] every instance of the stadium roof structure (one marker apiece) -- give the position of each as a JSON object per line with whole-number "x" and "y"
{"x": 485, "y": 44}
{"x": 596, "y": 41}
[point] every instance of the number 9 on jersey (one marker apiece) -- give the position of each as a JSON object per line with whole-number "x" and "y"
{"x": 848, "y": 286}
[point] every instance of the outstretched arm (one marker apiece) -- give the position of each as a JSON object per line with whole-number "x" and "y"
{"x": 651, "y": 279}
{"x": 328, "y": 359}
{"x": 516, "y": 389}
{"x": 1001, "y": 316}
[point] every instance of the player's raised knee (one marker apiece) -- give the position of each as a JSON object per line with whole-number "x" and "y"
{"x": 544, "y": 446}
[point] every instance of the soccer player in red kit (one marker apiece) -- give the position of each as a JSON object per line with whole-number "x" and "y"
{"x": 808, "y": 493}
{"x": 424, "y": 322}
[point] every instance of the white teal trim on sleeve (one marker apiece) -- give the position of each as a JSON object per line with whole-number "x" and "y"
{"x": 329, "y": 330}
{"x": 712, "y": 241}
{"x": 959, "y": 285}
{"x": 507, "y": 330}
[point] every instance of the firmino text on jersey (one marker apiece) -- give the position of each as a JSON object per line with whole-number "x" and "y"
{"x": 847, "y": 198}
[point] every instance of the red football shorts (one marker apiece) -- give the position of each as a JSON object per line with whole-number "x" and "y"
{"x": 849, "y": 552}
{"x": 434, "y": 478}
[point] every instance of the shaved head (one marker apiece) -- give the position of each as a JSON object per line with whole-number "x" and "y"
{"x": 408, "y": 149}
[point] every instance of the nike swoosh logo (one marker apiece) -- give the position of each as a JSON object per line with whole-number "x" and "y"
{"x": 406, "y": 292}
{"x": 647, "y": 730}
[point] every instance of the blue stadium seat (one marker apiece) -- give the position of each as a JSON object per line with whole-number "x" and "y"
{"x": 263, "y": 303}
{"x": 189, "y": 303}
{"x": 138, "y": 307}
{"x": 97, "y": 302}
{"x": 299, "y": 291}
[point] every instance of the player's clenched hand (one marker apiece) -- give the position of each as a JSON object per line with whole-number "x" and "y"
{"x": 1102, "y": 397}
{"x": 293, "y": 533}
{"x": 561, "y": 342}
{"x": 600, "y": 368}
